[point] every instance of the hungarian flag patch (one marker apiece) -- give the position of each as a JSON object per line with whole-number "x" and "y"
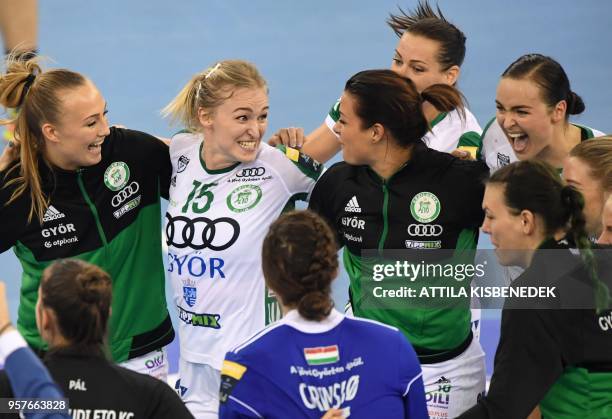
{"x": 322, "y": 355}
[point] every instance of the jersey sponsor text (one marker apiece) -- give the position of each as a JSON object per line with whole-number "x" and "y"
{"x": 324, "y": 398}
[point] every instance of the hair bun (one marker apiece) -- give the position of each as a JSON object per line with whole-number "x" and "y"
{"x": 89, "y": 295}
{"x": 315, "y": 305}
{"x": 575, "y": 105}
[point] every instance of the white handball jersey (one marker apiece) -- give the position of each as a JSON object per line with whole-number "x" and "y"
{"x": 215, "y": 226}
{"x": 497, "y": 151}
{"x": 448, "y": 130}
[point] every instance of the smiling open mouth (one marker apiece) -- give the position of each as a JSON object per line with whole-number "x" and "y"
{"x": 248, "y": 145}
{"x": 95, "y": 146}
{"x": 519, "y": 141}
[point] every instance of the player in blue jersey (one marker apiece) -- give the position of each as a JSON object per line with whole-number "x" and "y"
{"x": 315, "y": 359}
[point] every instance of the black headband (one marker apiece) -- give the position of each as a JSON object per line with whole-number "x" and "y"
{"x": 28, "y": 83}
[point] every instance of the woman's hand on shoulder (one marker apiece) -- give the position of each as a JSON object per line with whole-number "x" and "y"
{"x": 291, "y": 137}
{"x": 464, "y": 153}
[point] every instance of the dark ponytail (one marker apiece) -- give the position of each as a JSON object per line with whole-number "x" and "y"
{"x": 534, "y": 185}
{"x": 386, "y": 98}
{"x": 577, "y": 231}
{"x": 444, "y": 98}
{"x": 575, "y": 105}
{"x": 550, "y": 77}
{"x": 79, "y": 294}
{"x": 300, "y": 261}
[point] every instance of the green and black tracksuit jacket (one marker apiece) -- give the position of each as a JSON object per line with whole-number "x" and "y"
{"x": 107, "y": 214}
{"x": 430, "y": 210}
{"x": 553, "y": 352}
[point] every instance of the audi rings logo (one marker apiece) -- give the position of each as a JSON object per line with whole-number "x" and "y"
{"x": 425, "y": 230}
{"x": 201, "y": 232}
{"x": 125, "y": 193}
{"x": 251, "y": 172}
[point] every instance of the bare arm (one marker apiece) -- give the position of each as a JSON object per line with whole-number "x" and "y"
{"x": 19, "y": 24}
{"x": 321, "y": 144}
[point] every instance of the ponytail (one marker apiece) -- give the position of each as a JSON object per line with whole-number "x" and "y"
{"x": 34, "y": 95}
{"x": 210, "y": 89}
{"x": 315, "y": 305}
{"x": 80, "y": 295}
{"x": 535, "y": 186}
{"x": 550, "y": 77}
{"x": 444, "y": 98}
{"x": 183, "y": 108}
{"x": 574, "y": 202}
{"x": 300, "y": 261}
{"x": 575, "y": 105}
{"x": 384, "y": 97}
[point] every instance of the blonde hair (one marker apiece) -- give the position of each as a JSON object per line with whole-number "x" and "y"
{"x": 597, "y": 154}
{"x": 210, "y": 89}
{"x": 34, "y": 95}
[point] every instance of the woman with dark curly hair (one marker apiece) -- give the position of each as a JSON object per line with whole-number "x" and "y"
{"x": 316, "y": 360}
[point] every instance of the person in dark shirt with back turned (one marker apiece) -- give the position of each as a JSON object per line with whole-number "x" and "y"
{"x": 72, "y": 314}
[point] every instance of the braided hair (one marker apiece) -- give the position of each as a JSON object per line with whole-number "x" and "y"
{"x": 300, "y": 261}
{"x": 79, "y": 294}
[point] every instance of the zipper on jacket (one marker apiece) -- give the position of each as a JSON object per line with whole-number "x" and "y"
{"x": 385, "y": 215}
{"x": 92, "y": 207}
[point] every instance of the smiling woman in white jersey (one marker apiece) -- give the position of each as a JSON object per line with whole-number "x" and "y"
{"x": 534, "y": 101}
{"x": 430, "y": 51}
{"x": 227, "y": 187}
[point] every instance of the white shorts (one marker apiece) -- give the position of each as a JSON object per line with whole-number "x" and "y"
{"x": 453, "y": 386}
{"x": 154, "y": 364}
{"x": 476, "y": 315}
{"x": 198, "y": 385}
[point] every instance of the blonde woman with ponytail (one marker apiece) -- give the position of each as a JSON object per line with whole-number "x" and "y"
{"x": 81, "y": 189}
{"x": 227, "y": 188}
